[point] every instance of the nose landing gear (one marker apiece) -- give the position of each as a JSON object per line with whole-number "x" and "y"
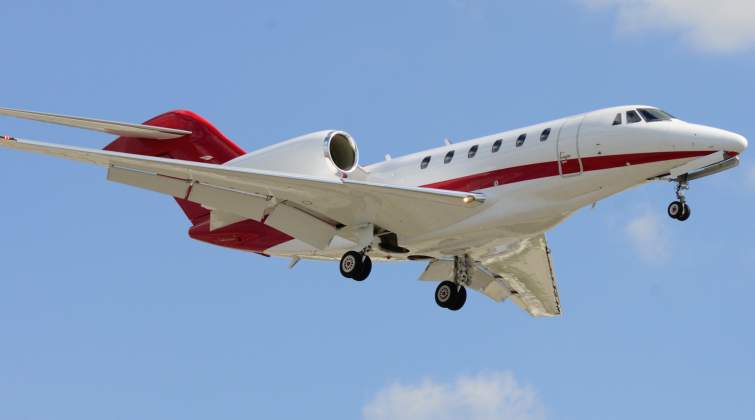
{"x": 679, "y": 209}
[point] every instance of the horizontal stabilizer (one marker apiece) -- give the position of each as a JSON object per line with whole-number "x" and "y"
{"x": 110, "y": 127}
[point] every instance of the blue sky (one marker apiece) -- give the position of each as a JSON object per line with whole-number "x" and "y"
{"x": 109, "y": 310}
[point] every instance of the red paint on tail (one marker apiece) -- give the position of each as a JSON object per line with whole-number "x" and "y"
{"x": 205, "y": 144}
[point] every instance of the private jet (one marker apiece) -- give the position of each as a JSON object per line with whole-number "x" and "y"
{"x": 475, "y": 212}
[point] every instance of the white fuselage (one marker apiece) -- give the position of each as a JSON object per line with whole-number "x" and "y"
{"x": 532, "y": 185}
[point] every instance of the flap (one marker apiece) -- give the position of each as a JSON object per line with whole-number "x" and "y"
{"x": 520, "y": 271}
{"x": 301, "y": 226}
{"x": 525, "y": 268}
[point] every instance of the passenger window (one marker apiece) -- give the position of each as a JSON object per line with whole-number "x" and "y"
{"x": 520, "y": 140}
{"x": 497, "y": 145}
{"x": 617, "y": 120}
{"x": 425, "y": 162}
{"x": 472, "y": 151}
{"x": 544, "y": 135}
{"x": 633, "y": 117}
{"x": 449, "y": 156}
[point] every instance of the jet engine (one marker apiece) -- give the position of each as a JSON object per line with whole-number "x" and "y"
{"x": 323, "y": 153}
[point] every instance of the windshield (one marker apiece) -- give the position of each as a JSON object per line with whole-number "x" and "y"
{"x": 653, "y": 114}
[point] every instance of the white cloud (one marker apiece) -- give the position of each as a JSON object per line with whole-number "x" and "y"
{"x": 648, "y": 236}
{"x": 713, "y": 26}
{"x": 496, "y": 396}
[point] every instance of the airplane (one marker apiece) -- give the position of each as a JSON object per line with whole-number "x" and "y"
{"x": 475, "y": 212}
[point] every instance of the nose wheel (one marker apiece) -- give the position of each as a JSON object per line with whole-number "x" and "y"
{"x": 679, "y": 209}
{"x": 356, "y": 265}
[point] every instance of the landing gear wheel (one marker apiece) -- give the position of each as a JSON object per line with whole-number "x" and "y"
{"x": 685, "y": 214}
{"x": 679, "y": 209}
{"x": 365, "y": 266}
{"x": 355, "y": 265}
{"x": 350, "y": 264}
{"x": 450, "y": 295}
{"x": 444, "y": 293}
{"x": 460, "y": 297}
{"x": 676, "y": 210}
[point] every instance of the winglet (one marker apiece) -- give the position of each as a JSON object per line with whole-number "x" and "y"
{"x": 110, "y": 127}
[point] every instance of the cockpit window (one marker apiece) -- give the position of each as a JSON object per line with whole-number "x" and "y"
{"x": 633, "y": 117}
{"x": 653, "y": 114}
{"x": 617, "y": 120}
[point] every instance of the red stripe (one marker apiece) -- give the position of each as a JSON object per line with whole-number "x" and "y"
{"x": 251, "y": 235}
{"x": 549, "y": 169}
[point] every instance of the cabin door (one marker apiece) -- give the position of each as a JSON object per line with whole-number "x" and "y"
{"x": 567, "y": 149}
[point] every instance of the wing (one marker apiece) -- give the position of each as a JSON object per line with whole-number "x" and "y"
{"x": 520, "y": 271}
{"x": 307, "y": 208}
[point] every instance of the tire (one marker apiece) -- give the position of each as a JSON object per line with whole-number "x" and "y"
{"x": 686, "y": 213}
{"x": 675, "y": 210}
{"x": 350, "y": 264}
{"x": 445, "y": 293}
{"x": 459, "y": 299}
{"x": 365, "y": 267}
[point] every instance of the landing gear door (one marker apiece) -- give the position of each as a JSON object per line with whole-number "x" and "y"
{"x": 569, "y": 162}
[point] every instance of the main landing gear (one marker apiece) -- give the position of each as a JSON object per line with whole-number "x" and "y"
{"x": 356, "y": 265}
{"x": 679, "y": 209}
{"x": 452, "y": 294}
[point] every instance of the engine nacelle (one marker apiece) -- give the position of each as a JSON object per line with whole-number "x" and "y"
{"x": 323, "y": 153}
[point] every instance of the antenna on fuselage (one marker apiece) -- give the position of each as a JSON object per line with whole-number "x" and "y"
{"x": 447, "y": 142}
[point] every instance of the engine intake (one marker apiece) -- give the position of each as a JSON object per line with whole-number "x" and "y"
{"x": 341, "y": 151}
{"x": 330, "y": 153}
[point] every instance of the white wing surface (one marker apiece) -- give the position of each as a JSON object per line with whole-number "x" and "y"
{"x": 308, "y": 208}
{"x": 520, "y": 271}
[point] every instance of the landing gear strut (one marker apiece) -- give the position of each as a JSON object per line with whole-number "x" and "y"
{"x": 679, "y": 209}
{"x": 452, "y": 294}
{"x": 356, "y": 265}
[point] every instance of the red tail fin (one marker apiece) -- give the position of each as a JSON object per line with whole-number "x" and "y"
{"x": 205, "y": 144}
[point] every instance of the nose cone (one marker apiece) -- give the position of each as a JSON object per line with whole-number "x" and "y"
{"x": 718, "y": 139}
{"x": 735, "y": 143}
{"x": 730, "y": 142}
